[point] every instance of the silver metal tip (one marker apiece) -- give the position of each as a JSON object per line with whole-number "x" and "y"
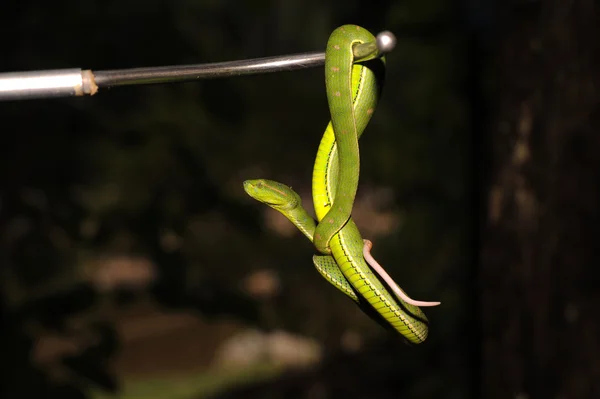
{"x": 386, "y": 41}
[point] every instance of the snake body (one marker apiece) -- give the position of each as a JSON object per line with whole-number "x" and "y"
{"x": 342, "y": 94}
{"x": 352, "y": 91}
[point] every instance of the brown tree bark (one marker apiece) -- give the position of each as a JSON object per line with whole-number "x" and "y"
{"x": 540, "y": 257}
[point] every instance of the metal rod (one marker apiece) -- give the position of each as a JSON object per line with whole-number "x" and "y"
{"x": 77, "y": 82}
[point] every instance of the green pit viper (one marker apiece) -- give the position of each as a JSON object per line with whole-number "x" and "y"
{"x": 353, "y": 89}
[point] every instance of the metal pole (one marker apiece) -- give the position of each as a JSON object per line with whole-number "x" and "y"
{"x": 78, "y": 82}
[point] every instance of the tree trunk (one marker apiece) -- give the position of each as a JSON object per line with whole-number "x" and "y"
{"x": 540, "y": 257}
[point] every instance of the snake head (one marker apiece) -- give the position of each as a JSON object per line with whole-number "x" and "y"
{"x": 277, "y": 195}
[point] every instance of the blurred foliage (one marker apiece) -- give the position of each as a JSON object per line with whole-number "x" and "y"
{"x": 156, "y": 171}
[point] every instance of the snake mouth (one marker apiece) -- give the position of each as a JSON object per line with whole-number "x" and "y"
{"x": 249, "y": 184}
{"x": 253, "y": 189}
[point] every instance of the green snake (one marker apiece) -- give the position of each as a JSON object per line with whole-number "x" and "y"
{"x": 353, "y": 91}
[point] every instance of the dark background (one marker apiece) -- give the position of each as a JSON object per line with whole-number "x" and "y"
{"x": 130, "y": 254}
